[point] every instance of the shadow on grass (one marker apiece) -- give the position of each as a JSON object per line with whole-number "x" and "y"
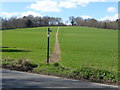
{"x": 13, "y": 50}
{"x": 7, "y": 47}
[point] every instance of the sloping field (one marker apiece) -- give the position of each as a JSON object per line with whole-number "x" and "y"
{"x": 80, "y": 46}
{"x": 27, "y": 43}
{"x": 91, "y": 47}
{"x": 85, "y": 53}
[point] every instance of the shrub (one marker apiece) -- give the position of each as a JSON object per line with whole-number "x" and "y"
{"x": 96, "y": 74}
{"x": 56, "y": 64}
{"x": 20, "y": 64}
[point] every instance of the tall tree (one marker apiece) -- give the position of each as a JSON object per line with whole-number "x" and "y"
{"x": 29, "y": 23}
{"x": 72, "y": 20}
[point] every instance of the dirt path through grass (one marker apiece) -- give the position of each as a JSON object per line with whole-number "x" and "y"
{"x": 55, "y": 57}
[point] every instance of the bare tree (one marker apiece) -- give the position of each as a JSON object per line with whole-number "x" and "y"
{"x": 72, "y": 20}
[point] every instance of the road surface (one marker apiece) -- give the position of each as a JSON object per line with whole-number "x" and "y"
{"x": 16, "y": 79}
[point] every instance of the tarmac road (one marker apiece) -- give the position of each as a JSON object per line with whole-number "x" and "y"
{"x": 16, "y": 79}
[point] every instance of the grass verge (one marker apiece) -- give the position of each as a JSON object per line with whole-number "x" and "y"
{"x": 55, "y": 69}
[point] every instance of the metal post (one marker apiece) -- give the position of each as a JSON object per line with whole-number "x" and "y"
{"x": 48, "y": 45}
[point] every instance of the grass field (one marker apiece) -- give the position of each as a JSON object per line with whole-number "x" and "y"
{"x": 27, "y": 43}
{"x": 80, "y": 46}
{"x": 90, "y": 47}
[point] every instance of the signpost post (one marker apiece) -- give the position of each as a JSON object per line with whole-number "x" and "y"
{"x": 48, "y": 44}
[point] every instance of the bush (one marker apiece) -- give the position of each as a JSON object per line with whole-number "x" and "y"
{"x": 20, "y": 64}
{"x": 56, "y": 64}
{"x": 96, "y": 74}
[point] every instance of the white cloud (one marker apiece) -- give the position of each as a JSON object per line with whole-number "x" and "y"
{"x": 57, "y": 5}
{"x": 67, "y": 4}
{"x": 112, "y": 0}
{"x": 85, "y": 17}
{"x": 111, "y": 18}
{"x": 58, "y": 0}
{"x": 17, "y": 14}
{"x": 45, "y": 6}
{"x": 8, "y": 15}
{"x": 111, "y": 9}
{"x": 30, "y": 13}
{"x": 85, "y": 2}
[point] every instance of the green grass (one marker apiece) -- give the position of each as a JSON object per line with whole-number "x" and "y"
{"x": 27, "y": 43}
{"x": 80, "y": 46}
{"x": 86, "y": 53}
{"x": 89, "y": 47}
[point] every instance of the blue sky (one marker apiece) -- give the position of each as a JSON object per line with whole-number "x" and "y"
{"x": 98, "y": 9}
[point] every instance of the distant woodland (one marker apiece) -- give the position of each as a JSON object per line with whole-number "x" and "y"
{"x": 31, "y": 21}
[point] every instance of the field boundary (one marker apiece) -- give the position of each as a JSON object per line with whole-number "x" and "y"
{"x": 55, "y": 57}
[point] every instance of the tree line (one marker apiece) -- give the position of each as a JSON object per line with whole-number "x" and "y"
{"x": 107, "y": 24}
{"x": 31, "y": 21}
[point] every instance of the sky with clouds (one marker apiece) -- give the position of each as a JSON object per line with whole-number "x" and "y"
{"x": 98, "y": 9}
